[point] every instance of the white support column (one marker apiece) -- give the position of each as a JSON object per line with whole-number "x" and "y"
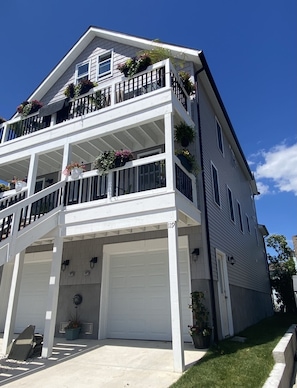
{"x": 32, "y": 173}
{"x": 52, "y": 299}
{"x": 169, "y": 149}
{"x": 175, "y": 299}
{"x": 66, "y": 158}
{"x": 13, "y": 301}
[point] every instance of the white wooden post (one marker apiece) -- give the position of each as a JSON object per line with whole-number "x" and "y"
{"x": 169, "y": 150}
{"x": 32, "y": 173}
{"x": 66, "y": 158}
{"x": 175, "y": 299}
{"x": 52, "y": 299}
{"x": 13, "y": 301}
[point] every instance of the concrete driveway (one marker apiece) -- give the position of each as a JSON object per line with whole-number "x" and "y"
{"x": 93, "y": 363}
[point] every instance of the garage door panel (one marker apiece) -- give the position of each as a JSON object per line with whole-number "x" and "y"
{"x": 33, "y": 296}
{"x": 139, "y": 294}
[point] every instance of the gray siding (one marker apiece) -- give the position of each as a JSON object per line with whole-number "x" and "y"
{"x": 250, "y": 270}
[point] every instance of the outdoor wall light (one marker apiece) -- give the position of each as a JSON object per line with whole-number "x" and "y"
{"x": 195, "y": 254}
{"x": 93, "y": 261}
{"x": 65, "y": 263}
{"x": 231, "y": 260}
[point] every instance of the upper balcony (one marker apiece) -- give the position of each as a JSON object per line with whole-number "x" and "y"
{"x": 119, "y": 113}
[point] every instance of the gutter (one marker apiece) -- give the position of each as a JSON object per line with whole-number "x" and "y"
{"x": 212, "y": 293}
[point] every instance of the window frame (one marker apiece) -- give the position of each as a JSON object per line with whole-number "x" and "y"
{"x": 231, "y": 204}
{"x": 107, "y": 73}
{"x": 248, "y": 225}
{"x": 239, "y": 213}
{"x": 215, "y": 185}
{"x": 219, "y": 135}
{"x": 79, "y": 78}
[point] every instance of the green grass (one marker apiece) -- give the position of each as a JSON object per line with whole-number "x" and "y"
{"x": 241, "y": 365}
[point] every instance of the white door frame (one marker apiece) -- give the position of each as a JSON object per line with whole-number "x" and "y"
{"x": 224, "y": 295}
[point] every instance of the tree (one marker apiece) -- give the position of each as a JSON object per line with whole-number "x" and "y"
{"x": 282, "y": 268}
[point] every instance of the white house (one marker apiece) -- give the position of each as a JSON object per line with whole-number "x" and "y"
{"x": 135, "y": 241}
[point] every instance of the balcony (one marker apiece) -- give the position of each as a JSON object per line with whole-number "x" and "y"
{"x": 158, "y": 76}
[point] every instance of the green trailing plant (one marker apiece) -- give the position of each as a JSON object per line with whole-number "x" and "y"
{"x": 26, "y": 108}
{"x": 190, "y": 165}
{"x": 184, "y": 134}
{"x": 200, "y": 315}
{"x": 135, "y": 65}
{"x": 3, "y": 187}
{"x": 83, "y": 86}
{"x": 187, "y": 83}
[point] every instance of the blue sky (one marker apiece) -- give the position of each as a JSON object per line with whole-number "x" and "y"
{"x": 251, "y": 49}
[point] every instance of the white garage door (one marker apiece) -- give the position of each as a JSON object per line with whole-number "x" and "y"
{"x": 139, "y": 303}
{"x": 33, "y": 296}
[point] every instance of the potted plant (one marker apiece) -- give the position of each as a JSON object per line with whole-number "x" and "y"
{"x": 26, "y": 108}
{"x": 184, "y": 134}
{"x": 83, "y": 87}
{"x": 3, "y": 187}
{"x": 187, "y": 83}
{"x": 187, "y": 160}
{"x": 73, "y": 328}
{"x": 74, "y": 169}
{"x": 17, "y": 183}
{"x": 200, "y": 331}
{"x": 122, "y": 157}
{"x": 135, "y": 65}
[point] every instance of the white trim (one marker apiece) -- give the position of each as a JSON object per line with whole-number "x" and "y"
{"x": 239, "y": 214}
{"x": 82, "y": 76}
{"x": 213, "y": 185}
{"x": 107, "y": 74}
{"x": 219, "y": 136}
{"x": 230, "y": 204}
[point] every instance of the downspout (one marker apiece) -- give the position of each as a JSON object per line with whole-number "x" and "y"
{"x": 212, "y": 293}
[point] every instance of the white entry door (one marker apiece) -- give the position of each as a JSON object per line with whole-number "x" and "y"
{"x": 224, "y": 295}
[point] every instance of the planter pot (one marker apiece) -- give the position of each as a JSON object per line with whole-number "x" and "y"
{"x": 185, "y": 162}
{"x": 184, "y": 142}
{"x": 75, "y": 172}
{"x": 19, "y": 185}
{"x": 72, "y": 334}
{"x": 201, "y": 341}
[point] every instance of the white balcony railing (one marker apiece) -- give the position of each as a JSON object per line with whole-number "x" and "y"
{"x": 116, "y": 91}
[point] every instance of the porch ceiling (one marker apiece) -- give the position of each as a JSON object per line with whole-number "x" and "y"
{"x": 136, "y": 138}
{"x": 119, "y": 232}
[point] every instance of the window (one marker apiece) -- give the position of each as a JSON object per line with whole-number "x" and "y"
{"x": 104, "y": 64}
{"x": 240, "y": 216}
{"x": 215, "y": 185}
{"x": 82, "y": 71}
{"x": 220, "y": 137}
{"x": 248, "y": 223}
{"x": 231, "y": 206}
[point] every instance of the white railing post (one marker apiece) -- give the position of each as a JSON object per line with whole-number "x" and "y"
{"x": 5, "y": 133}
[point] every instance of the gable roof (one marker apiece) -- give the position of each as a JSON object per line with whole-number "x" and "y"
{"x": 179, "y": 52}
{"x": 94, "y": 32}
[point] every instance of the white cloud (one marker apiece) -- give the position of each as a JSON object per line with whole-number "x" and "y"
{"x": 278, "y": 168}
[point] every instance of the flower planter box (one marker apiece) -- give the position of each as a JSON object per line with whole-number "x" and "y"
{"x": 72, "y": 334}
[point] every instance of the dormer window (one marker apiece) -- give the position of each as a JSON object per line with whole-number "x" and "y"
{"x": 104, "y": 64}
{"x": 82, "y": 72}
